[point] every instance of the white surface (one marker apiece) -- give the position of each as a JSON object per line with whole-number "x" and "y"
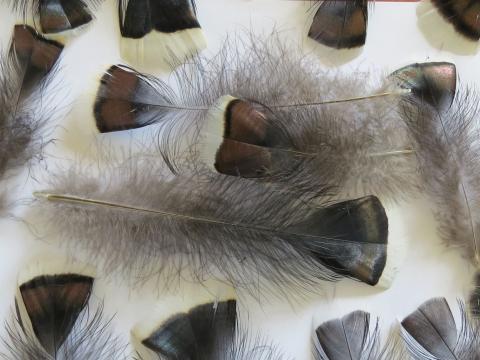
{"x": 397, "y": 35}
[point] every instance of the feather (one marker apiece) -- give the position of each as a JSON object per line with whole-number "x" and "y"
{"x": 314, "y": 127}
{"x": 139, "y": 220}
{"x": 25, "y": 71}
{"x": 446, "y": 143}
{"x": 155, "y": 30}
{"x": 353, "y": 338}
{"x": 53, "y": 320}
{"x": 464, "y": 15}
{"x": 431, "y": 333}
{"x": 205, "y": 330}
{"x": 340, "y": 24}
{"x": 57, "y": 16}
{"x": 474, "y": 300}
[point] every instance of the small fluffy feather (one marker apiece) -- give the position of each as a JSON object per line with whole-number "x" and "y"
{"x": 353, "y": 337}
{"x": 447, "y": 148}
{"x": 23, "y": 116}
{"x": 431, "y": 333}
{"x": 347, "y": 145}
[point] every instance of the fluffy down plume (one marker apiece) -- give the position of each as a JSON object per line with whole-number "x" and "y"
{"x": 308, "y": 134}
{"x": 24, "y": 74}
{"x": 447, "y": 148}
{"x": 146, "y": 224}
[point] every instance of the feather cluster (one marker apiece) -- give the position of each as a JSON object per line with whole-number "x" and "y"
{"x": 430, "y": 332}
{"x": 25, "y": 71}
{"x": 359, "y": 147}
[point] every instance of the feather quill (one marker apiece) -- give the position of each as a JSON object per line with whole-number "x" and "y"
{"x": 56, "y": 16}
{"x": 142, "y": 222}
{"x": 25, "y": 71}
{"x": 53, "y": 321}
{"x": 315, "y": 128}
{"x": 341, "y": 24}
{"x": 431, "y": 333}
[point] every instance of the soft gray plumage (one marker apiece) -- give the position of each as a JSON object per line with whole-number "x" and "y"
{"x": 447, "y": 149}
{"x": 353, "y": 338}
{"x": 430, "y": 332}
{"x": 255, "y": 235}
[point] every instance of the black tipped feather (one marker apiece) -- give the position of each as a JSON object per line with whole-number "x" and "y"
{"x": 464, "y": 15}
{"x": 206, "y": 332}
{"x": 434, "y": 83}
{"x": 57, "y": 16}
{"x": 53, "y": 304}
{"x": 431, "y": 333}
{"x": 341, "y": 24}
{"x": 25, "y": 71}
{"x": 54, "y": 322}
{"x": 140, "y": 17}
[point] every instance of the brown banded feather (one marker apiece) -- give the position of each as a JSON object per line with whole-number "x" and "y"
{"x": 434, "y": 82}
{"x": 36, "y": 54}
{"x": 63, "y": 15}
{"x": 53, "y": 304}
{"x": 341, "y": 24}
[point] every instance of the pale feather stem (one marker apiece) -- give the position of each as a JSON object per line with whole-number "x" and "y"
{"x": 326, "y": 102}
{"x": 87, "y": 201}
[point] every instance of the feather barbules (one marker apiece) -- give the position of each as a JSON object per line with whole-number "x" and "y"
{"x": 53, "y": 319}
{"x": 56, "y": 16}
{"x": 340, "y": 24}
{"x": 463, "y": 15}
{"x": 159, "y": 30}
{"x": 27, "y": 69}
